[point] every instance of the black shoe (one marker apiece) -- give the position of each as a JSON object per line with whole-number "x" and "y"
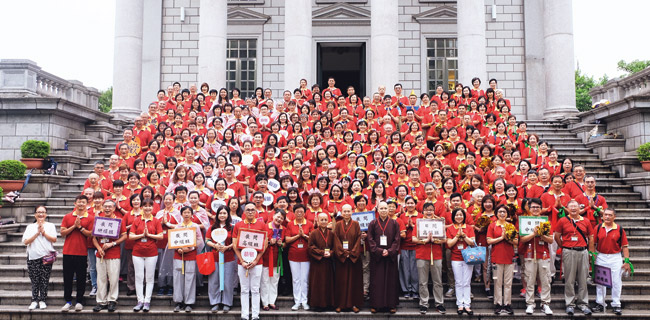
{"x": 508, "y": 309}
{"x": 598, "y": 308}
{"x": 130, "y": 293}
{"x": 112, "y": 306}
{"x": 460, "y": 311}
{"x": 469, "y": 312}
{"x": 488, "y": 293}
{"x": 617, "y": 311}
{"x": 423, "y": 310}
{"x": 441, "y": 309}
{"x": 178, "y": 307}
{"x": 99, "y": 308}
{"x": 497, "y": 308}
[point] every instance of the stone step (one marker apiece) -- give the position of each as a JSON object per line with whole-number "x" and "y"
{"x": 627, "y": 203}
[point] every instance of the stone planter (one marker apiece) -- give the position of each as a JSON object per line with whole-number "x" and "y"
{"x": 33, "y": 163}
{"x": 645, "y": 165}
{"x": 11, "y": 185}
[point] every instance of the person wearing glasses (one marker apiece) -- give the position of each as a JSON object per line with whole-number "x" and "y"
{"x": 39, "y": 237}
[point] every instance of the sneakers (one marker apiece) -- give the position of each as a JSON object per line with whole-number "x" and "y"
{"x": 130, "y": 293}
{"x": 570, "y": 311}
{"x": 617, "y": 311}
{"x": 585, "y": 310}
{"x": 33, "y": 305}
{"x": 547, "y": 310}
{"x": 488, "y": 293}
{"x": 170, "y": 291}
{"x": 497, "y": 308}
{"x": 66, "y": 307}
{"x": 99, "y": 307}
{"x": 530, "y": 309}
{"x": 423, "y": 310}
{"x": 42, "y": 305}
{"x": 188, "y": 308}
{"x": 138, "y": 307}
{"x": 215, "y": 308}
{"x": 78, "y": 307}
{"x": 305, "y": 306}
{"x": 295, "y": 307}
{"x": 93, "y": 292}
{"x": 146, "y": 307}
{"x": 161, "y": 292}
{"x": 112, "y": 306}
{"x": 508, "y": 309}
{"x": 598, "y": 308}
{"x": 227, "y": 308}
{"x": 441, "y": 309}
{"x": 178, "y": 307}
{"x": 450, "y": 293}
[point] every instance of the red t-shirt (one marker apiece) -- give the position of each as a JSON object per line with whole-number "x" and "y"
{"x": 502, "y": 251}
{"x": 228, "y": 255}
{"x": 407, "y": 243}
{"x": 273, "y": 250}
{"x": 113, "y": 252}
{"x": 534, "y": 249}
{"x": 75, "y": 242}
{"x": 607, "y": 241}
{"x": 145, "y": 247}
{"x": 426, "y": 251}
{"x": 570, "y": 236}
{"x": 298, "y": 248}
{"x": 191, "y": 255}
{"x": 257, "y": 225}
{"x": 460, "y": 244}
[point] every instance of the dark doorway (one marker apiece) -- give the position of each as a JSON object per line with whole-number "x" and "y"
{"x": 346, "y": 62}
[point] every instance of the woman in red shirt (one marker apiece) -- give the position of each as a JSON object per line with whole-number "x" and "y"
{"x": 185, "y": 265}
{"x": 297, "y": 239}
{"x": 503, "y": 251}
{"x": 459, "y": 236}
{"x": 145, "y": 231}
{"x": 276, "y": 234}
{"x": 219, "y": 299}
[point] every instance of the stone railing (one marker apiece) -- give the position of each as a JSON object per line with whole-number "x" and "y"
{"x": 26, "y": 78}
{"x": 621, "y": 88}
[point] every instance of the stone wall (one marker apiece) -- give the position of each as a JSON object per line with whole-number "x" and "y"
{"x": 180, "y": 43}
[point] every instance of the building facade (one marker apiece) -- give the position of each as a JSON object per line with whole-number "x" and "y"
{"x": 526, "y": 46}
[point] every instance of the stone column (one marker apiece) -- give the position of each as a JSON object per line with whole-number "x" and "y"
{"x": 558, "y": 59}
{"x": 213, "y": 25}
{"x": 297, "y": 43}
{"x": 384, "y": 54}
{"x": 472, "y": 57}
{"x": 127, "y": 60}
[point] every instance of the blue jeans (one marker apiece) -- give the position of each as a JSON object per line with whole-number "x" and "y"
{"x": 92, "y": 266}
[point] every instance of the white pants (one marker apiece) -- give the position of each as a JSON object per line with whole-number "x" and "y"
{"x": 613, "y": 261}
{"x": 184, "y": 284}
{"x": 250, "y": 288}
{"x": 463, "y": 276}
{"x": 300, "y": 277}
{"x": 144, "y": 266}
{"x": 269, "y": 289}
{"x": 108, "y": 276}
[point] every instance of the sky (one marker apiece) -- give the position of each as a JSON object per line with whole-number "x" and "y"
{"x": 73, "y": 39}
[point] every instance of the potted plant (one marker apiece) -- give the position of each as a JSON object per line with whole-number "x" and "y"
{"x": 643, "y": 153}
{"x": 12, "y": 175}
{"x": 34, "y": 152}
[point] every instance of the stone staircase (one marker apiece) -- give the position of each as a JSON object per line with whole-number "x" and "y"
{"x": 99, "y": 145}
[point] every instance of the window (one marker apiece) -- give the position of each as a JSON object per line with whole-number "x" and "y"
{"x": 442, "y": 63}
{"x": 241, "y": 66}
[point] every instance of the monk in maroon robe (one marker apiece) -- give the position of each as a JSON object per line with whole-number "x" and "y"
{"x": 348, "y": 286}
{"x": 321, "y": 270}
{"x": 383, "y": 244}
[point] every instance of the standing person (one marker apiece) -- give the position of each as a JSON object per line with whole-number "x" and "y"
{"x": 185, "y": 265}
{"x": 249, "y": 281}
{"x": 297, "y": 239}
{"x": 165, "y": 255}
{"x": 428, "y": 255}
{"x": 76, "y": 227}
{"x": 108, "y": 266}
{"x": 145, "y": 231}
{"x": 459, "y": 236}
{"x": 573, "y": 234}
{"x": 503, "y": 251}
{"x": 383, "y": 244}
{"x": 272, "y": 266}
{"x": 408, "y": 272}
{"x": 610, "y": 241}
{"x": 129, "y": 219}
{"x": 348, "y": 285}
{"x": 321, "y": 275}
{"x": 537, "y": 261}
{"x": 219, "y": 299}
{"x": 39, "y": 237}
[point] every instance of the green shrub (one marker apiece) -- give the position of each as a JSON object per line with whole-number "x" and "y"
{"x": 12, "y": 170}
{"x": 35, "y": 149}
{"x": 643, "y": 153}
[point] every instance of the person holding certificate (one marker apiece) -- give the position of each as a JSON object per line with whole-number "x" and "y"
{"x": 383, "y": 244}
{"x": 185, "y": 264}
{"x": 428, "y": 255}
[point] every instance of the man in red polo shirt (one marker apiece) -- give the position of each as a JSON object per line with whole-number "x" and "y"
{"x": 249, "y": 273}
{"x": 233, "y": 183}
{"x": 76, "y": 227}
{"x": 143, "y": 133}
{"x": 610, "y": 240}
{"x": 331, "y": 88}
{"x": 428, "y": 255}
{"x": 574, "y": 233}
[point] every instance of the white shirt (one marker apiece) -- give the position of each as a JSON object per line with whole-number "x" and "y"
{"x": 40, "y": 247}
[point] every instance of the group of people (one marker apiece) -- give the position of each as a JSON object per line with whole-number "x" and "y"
{"x": 345, "y": 198}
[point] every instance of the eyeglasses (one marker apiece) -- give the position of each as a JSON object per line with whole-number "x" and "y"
{"x": 41, "y": 212}
{"x": 535, "y": 207}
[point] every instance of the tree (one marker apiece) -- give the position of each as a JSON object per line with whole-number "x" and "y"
{"x": 633, "y": 66}
{"x": 106, "y": 100}
{"x": 584, "y": 83}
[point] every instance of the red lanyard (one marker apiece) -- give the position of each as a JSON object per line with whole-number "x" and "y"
{"x": 382, "y": 228}
{"x": 323, "y": 235}
{"x": 345, "y": 231}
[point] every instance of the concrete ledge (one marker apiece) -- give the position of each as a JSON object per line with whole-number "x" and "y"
{"x": 606, "y": 146}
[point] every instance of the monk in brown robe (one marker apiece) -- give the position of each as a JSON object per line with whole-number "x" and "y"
{"x": 321, "y": 270}
{"x": 349, "y": 271}
{"x": 383, "y": 244}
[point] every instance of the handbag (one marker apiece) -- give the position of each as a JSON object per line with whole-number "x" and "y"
{"x": 205, "y": 262}
{"x": 50, "y": 257}
{"x": 474, "y": 255}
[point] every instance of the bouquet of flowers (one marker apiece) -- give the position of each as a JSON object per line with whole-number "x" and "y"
{"x": 544, "y": 229}
{"x": 510, "y": 232}
{"x": 461, "y": 169}
{"x": 465, "y": 187}
{"x": 482, "y": 221}
{"x": 486, "y": 164}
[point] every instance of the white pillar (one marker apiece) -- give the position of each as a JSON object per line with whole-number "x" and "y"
{"x": 384, "y": 54}
{"x": 127, "y": 59}
{"x": 297, "y": 43}
{"x": 472, "y": 57}
{"x": 558, "y": 59}
{"x": 213, "y": 25}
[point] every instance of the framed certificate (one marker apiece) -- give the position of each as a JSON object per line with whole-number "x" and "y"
{"x": 435, "y": 227}
{"x": 527, "y": 224}
{"x": 364, "y": 219}
{"x": 107, "y": 228}
{"x": 181, "y": 238}
{"x": 249, "y": 238}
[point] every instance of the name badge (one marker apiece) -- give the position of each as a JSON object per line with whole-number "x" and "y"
{"x": 143, "y": 240}
{"x": 327, "y": 250}
{"x": 461, "y": 247}
{"x": 103, "y": 240}
{"x": 383, "y": 241}
{"x": 164, "y": 231}
{"x": 300, "y": 245}
{"x": 541, "y": 243}
{"x": 574, "y": 239}
{"x": 346, "y": 245}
